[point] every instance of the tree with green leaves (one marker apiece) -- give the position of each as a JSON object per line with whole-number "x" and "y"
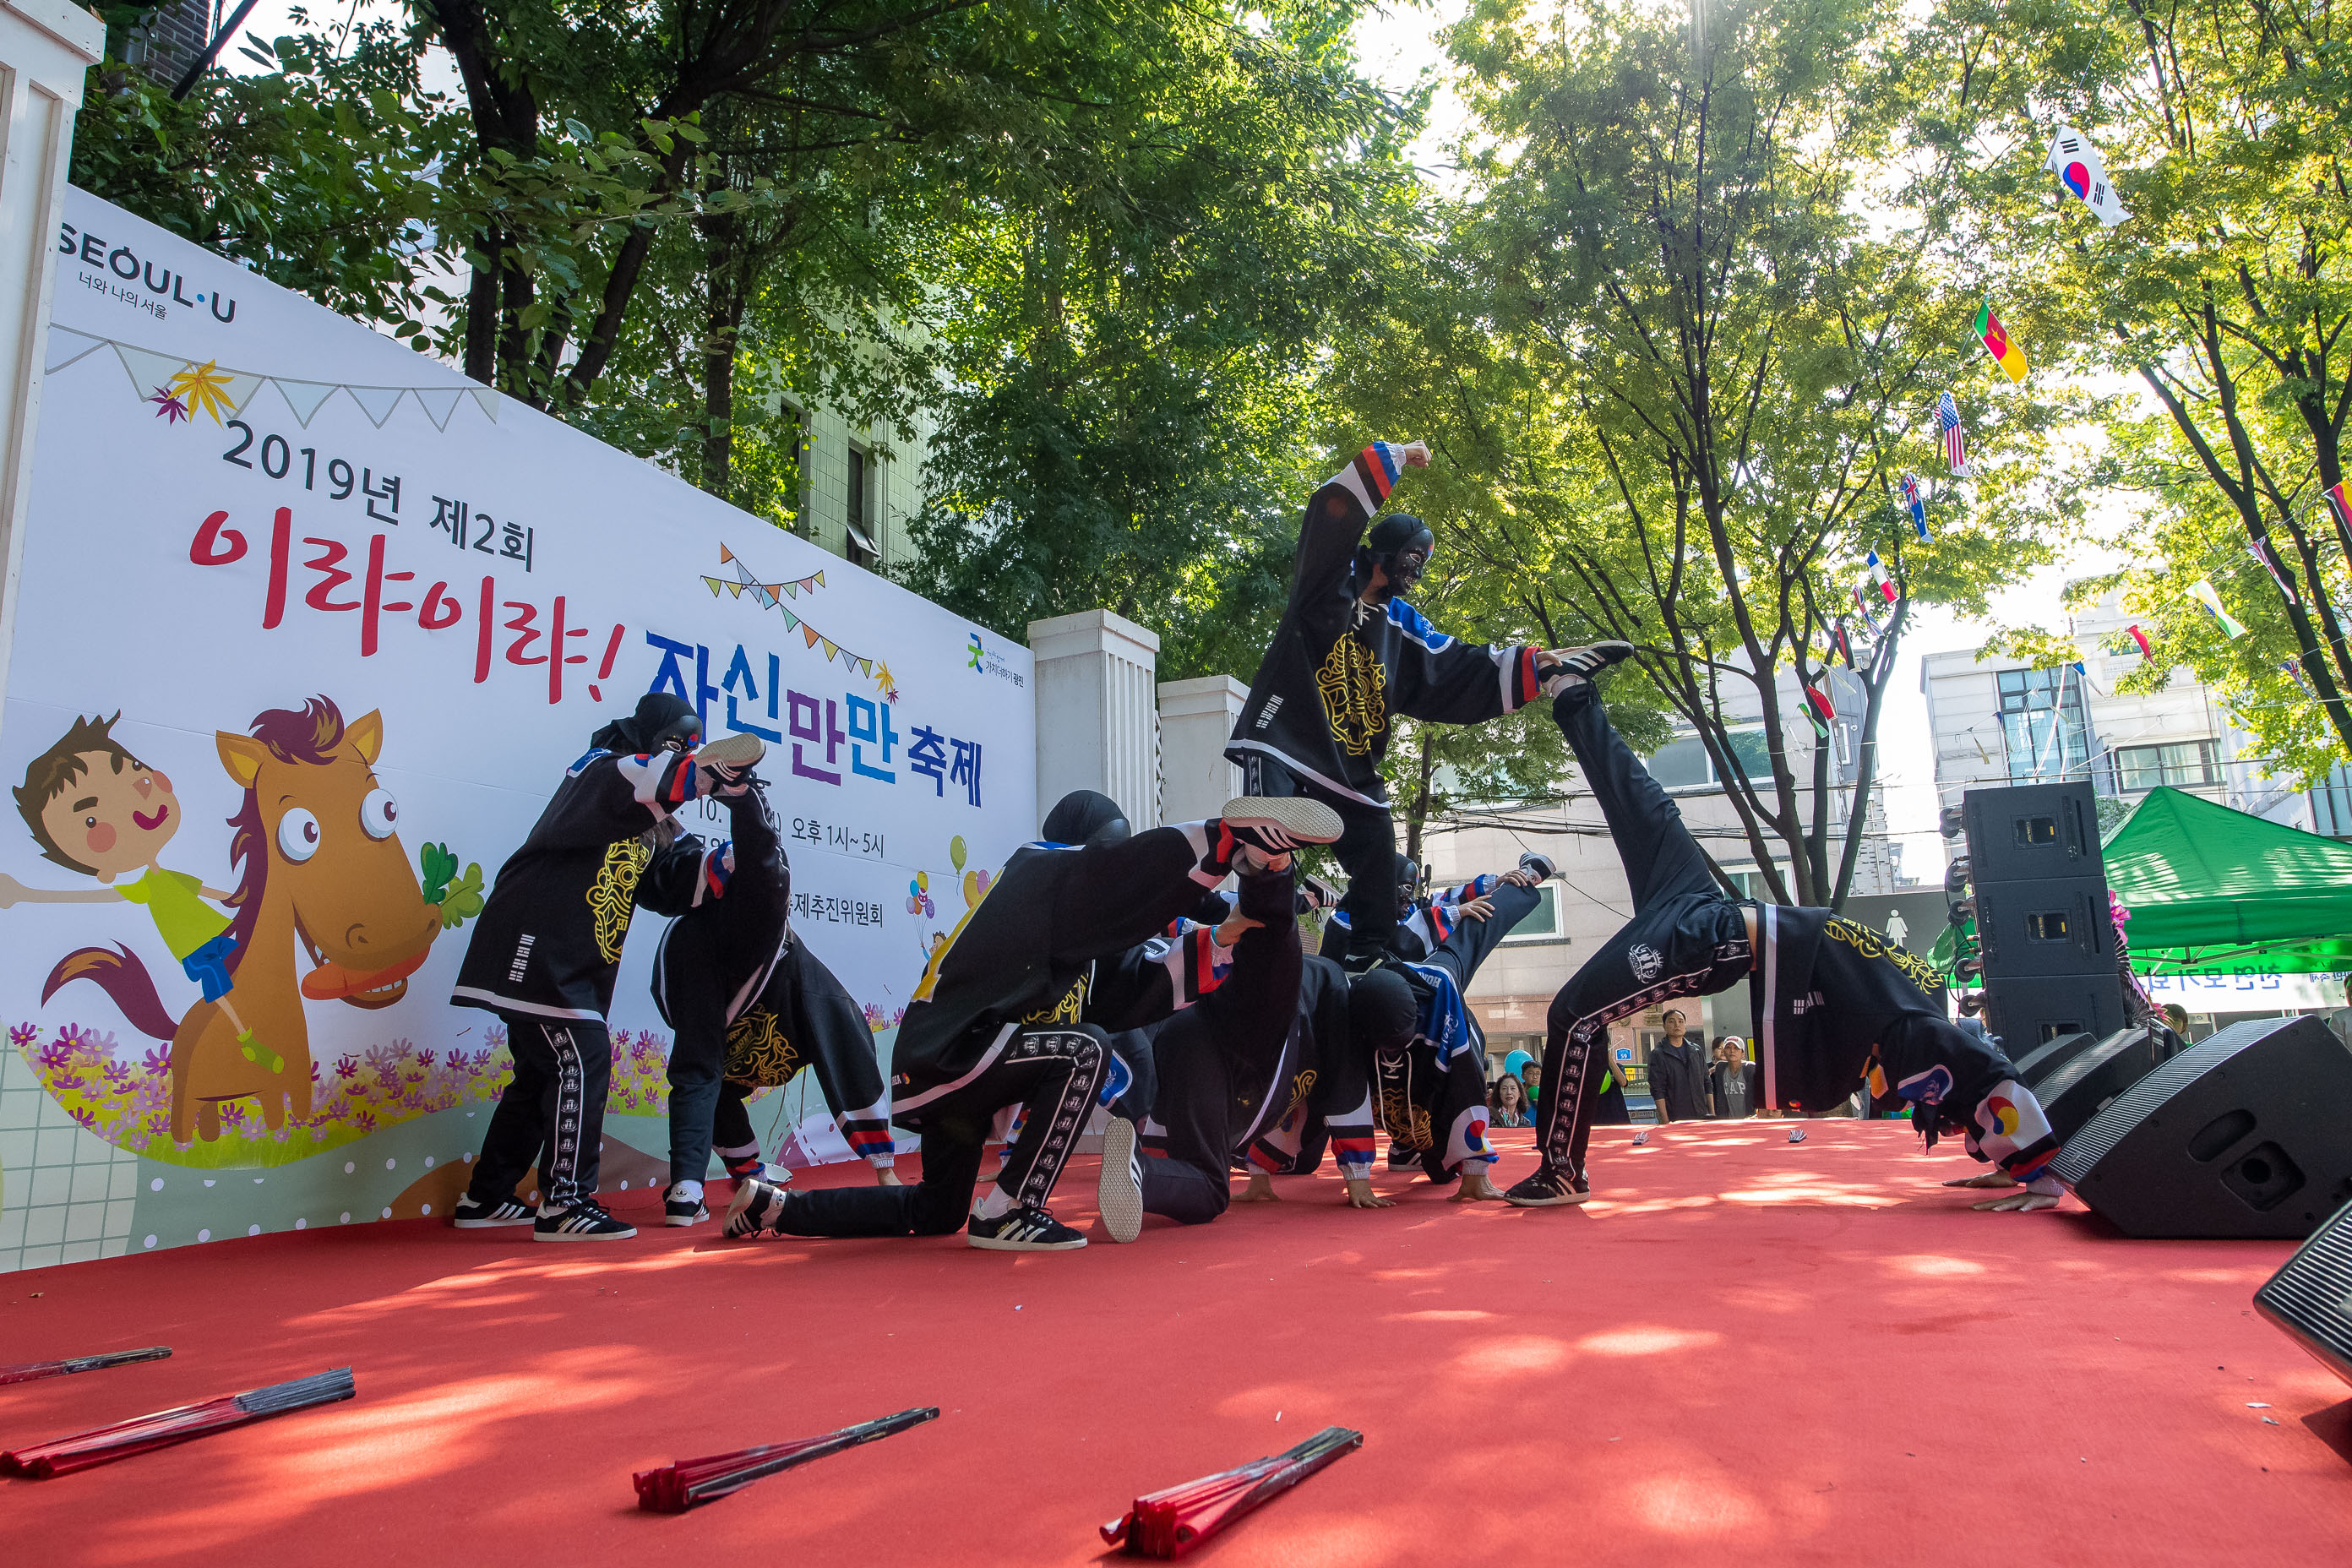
{"x": 2221, "y": 301}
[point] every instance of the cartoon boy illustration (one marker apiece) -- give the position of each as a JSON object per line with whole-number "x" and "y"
{"x": 94, "y": 807}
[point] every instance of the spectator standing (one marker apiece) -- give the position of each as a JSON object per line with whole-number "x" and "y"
{"x": 1678, "y": 1073}
{"x": 1731, "y": 1081}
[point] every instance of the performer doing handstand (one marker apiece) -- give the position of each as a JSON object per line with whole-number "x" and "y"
{"x": 1423, "y": 920}
{"x": 547, "y": 948}
{"x": 1008, "y": 1012}
{"x": 749, "y": 1006}
{"x": 1834, "y": 1004}
{"x": 1347, "y": 654}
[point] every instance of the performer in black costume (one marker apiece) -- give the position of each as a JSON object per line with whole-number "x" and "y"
{"x": 749, "y": 1006}
{"x": 547, "y": 948}
{"x": 1834, "y": 1004}
{"x": 1276, "y": 1041}
{"x": 1347, "y": 654}
{"x": 1422, "y": 920}
{"x": 1017, "y": 1008}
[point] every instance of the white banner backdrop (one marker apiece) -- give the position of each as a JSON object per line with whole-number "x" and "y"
{"x": 261, "y": 532}
{"x": 2230, "y": 990}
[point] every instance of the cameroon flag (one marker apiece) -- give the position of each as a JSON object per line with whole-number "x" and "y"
{"x": 2007, "y": 354}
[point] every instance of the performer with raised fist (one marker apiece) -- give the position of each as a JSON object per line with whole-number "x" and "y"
{"x": 547, "y": 948}
{"x": 1836, "y": 1005}
{"x": 1011, "y": 1009}
{"x": 749, "y": 1006}
{"x": 1350, "y": 653}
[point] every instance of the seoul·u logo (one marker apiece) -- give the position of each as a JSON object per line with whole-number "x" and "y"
{"x": 973, "y": 654}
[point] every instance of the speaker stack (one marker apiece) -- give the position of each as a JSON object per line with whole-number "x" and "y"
{"x": 2033, "y": 887}
{"x": 2245, "y": 1135}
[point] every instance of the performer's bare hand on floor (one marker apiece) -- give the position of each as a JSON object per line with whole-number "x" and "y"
{"x": 1259, "y": 1191}
{"x": 1984, "y": 1179}
{"x": 884, "y": 1176}
{"x": 1361, "y": 1196}
{"x": 1477, "y": 1186}
{"x": 2017, "y": 1202}
{"x": 1478, "y": 909}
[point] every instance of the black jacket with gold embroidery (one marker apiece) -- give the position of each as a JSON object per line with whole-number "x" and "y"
{"x": 549, "y": 940}
{"x": 1338, "y": 668}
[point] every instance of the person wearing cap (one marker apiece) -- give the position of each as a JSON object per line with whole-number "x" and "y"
{"x": 1351, "y": 655}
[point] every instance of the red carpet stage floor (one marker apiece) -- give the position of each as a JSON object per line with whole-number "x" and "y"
{"x": 1745, "y": 1352}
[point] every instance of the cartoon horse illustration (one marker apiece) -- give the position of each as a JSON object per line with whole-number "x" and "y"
{"x": 321, "y": 865}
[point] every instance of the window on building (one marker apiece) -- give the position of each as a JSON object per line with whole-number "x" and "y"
{"x": 1749, "y": 881}
{"x": 2184, "y": 765}
{"x": 863, "y": 550}
{"x": 1542, "y": 923}
{"x": 2044, "y": 724}
{"x": 1684, "y": 764}
{"x": 2331, "y": 803}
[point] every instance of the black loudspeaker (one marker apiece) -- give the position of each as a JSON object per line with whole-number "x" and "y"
{"x": 2059, "y": 927}
{"x": 2245, "y": 1135}
{"x": 2311, "y": 1295}
{"x": 2043, "y": 1060}
{"x": 2033, "y": 832}
{"x": 2073, "y": 1091}
{"x": 2030, "y": 1013}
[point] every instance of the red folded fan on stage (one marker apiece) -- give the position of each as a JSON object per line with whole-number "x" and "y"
{"x": 103, "y": 1445}
{"x": 1164, "y": 1523}
{"x": 676, "y": 1487}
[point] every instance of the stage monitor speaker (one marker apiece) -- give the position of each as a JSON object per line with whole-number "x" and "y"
{"x": 2311, "y": 1295}
{"x": 2027, "y": 832}
{"x": 2073, "y": 1093}
{"x": 2057, "y": 925}
{"x": 2243, "y": 1136}
{"x": 2029, "y": 1012}
{"x": 2043, "y": 1060}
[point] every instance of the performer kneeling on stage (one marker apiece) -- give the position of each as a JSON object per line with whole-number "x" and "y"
{"x": 749, "y": 1006}
{"x": 547, "y": 948}
{"x": 1347, "y": 654}
{"x": 1834, "y": 1004}
{"x": 1002, "y": 1017}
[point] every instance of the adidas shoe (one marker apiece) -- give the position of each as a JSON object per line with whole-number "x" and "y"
{"x": 1025, "y": 1228}
{"x": 1402, "y": 1158}
{"x": 1543, "y": 865}
{"x": 728, "y": 757}
{"x": 757, "y": 1206}
{"x": 1314, "y": 893}
{"x": 583, "y": 1221}
{"x": 1120, "y": 1192}
{"x": 1549, "y": 1187}
{"x": 680, "y": 1210}
{"x": 1254, "y": 830}
{"x": 1575, "y": 664}
{"x": 473, "y": 1214}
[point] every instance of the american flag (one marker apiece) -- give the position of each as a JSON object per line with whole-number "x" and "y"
{"x": 1955, "y": 440}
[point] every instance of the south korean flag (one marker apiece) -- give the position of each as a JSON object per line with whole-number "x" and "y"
{"x": 2080, "y": 169}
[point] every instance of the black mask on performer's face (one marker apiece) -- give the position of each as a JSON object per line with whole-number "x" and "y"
{"x": 1399, "y": 544}
{"x": 1083, "y": 817}
{"x": 1381, "y": 1011}
{"x": 662, "y": 722}
{"x": 1408, "y": 885}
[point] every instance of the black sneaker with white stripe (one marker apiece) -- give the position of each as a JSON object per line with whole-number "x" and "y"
{"x": 473, "y": 1214}
{"x": 1024, "y": 1228}
{"x": 681, "y": 1210}
{"x": 1574, "y": 664}
{"x": 1549, "y": 1187}
{"x": 756, "y": 1207}
{"x": 1541, "y": 865}
{"x": 583, "y": 1221}
{"x": 1253, "y": 830}
{"x": 1119, "y": 1191}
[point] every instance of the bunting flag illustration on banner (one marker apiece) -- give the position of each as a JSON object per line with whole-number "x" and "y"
{"x": 180, "y": 388}
{"x": 1915, "y": 501}
{"x": 772, "y": 597}
{"x": 1956, "y": 439}
{"x": 2080, "y": 170}
{"x": 2006, "y": 354}
{"x": 2202, "y": 592}
{"x": 2265, "y": 550}
{"x": 1879, "y": 578}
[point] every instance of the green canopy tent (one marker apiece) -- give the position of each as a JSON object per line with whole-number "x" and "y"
{"x": 2206, "y": 885}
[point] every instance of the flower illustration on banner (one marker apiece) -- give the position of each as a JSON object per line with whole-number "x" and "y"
{"x": 206, "y": 387}
{"x": 168, "y": 406}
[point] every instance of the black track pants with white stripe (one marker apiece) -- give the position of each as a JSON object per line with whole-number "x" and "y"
{"x": 1054, "y": 1073}
{"x": 1366, "y": 849}
{"x": 551, "y": 1114}
{"x": 1686, "y": 939}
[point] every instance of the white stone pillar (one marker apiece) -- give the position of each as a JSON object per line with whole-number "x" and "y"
{"x": 46, "y": 48}
{"x": 1098, "y": 722}
{"x": 1196, "y": 718}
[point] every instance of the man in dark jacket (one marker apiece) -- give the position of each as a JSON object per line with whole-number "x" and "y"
{"x": 547, "y": 948}
{"x": 1678, "y": 1073}
{"x": 1350, "y": 653}
{"x": 1835, "y": 1003}
{"x": 1017, "y": 1008}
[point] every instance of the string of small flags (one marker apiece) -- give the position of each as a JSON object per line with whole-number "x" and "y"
{"x": 771, "y": 596}
{"x": 180, "y": 388}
